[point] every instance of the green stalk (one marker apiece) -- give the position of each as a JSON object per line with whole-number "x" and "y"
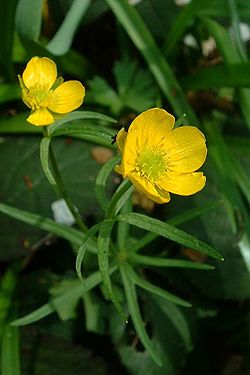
{"x": 61, "y": 191}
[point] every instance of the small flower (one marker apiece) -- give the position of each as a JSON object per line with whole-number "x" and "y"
{"x": 46, "y": 95}
{"x": 159, "y": 159}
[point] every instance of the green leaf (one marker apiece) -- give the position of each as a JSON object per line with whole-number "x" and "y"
{"x": 163, "y": 262}
{"x": 45, "y": 161}
{"x": 83, "y": 248}
{"x": 8, "y": 92}
{"x": 29, "y": 18}
{"x": 226, "y": 75}
{"x": 7, "y": 17}
{"x": 119, "y": 198}
{"x": 10, "y": 361}
{"x": 104, "y": 240}
{"x": 58, "y": 129}
{"x": 143, "y": 40}
{"x": 231, "y": 56}
{"x": 153, "y": 288}
{"x": 69, "y": 125}
{"x": 17, "y": 124}
{"x": 177, "y": 220}
{"x": 134, "y": 311}
{"x": 67, "y": 297}
{"x": 123, "y": 227}
{"x": 70, "y": 234}
{"x": 185, "y": 18}
{"x": 170, "y": 232}
{"x": 100, "y": 92}
{"x": 101, "y": 181}
{"x": 65, "y": 311}
{"x": 7, "y": 288}
{"x": 62, "y": 40}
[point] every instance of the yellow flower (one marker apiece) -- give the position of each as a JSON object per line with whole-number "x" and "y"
{"x": 159, "y": 159}
{"x": 46, "y": 95}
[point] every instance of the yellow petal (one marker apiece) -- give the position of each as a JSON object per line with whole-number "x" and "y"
{"x": 66, "y": 97}
{"x": 120, "y": 139}
{"x": 41, "y": 117}
{"x": 151, "y": 125}
{"x": 185, "y": 149}
{"x": 146, "y": 131}
{"x": 40, "y": 71}
{"x": 182, "y": 184}
{"x": 149, "y": 189}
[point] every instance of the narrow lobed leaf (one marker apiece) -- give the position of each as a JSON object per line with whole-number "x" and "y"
{"x": 170, "y": 232}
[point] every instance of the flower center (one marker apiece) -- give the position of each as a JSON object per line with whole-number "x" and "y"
{"x": 150, "y": 164}
{"x": 37, "y": 97}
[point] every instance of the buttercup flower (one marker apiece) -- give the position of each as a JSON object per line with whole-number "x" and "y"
{"x": 159, "y": 159}
{"x": 46, "y": 95}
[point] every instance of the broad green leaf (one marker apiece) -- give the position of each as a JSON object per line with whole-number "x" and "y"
{"x": 165, "y": 262}
{"x": 226, "y": 75}
{"x": 29, "y": 18}
{"x": 10, "y": 360}
{"x": 170, "y": 232}
{"x": 67, "y": 297}
{"x": 143, "y": 40}
{"x": 8, "y": 92}
{"x": 104, "y": 241}
{"x": 101, "y": 181}
{"x": 24, "y": 181}
{"x": 62, "y": 40}
{"x": 17, "y": 124}
{"x": 134, "y": 311}
{"x": 144, "y": 284}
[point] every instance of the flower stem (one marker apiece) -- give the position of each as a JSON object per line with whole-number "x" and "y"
{"x": 61, "y": 188}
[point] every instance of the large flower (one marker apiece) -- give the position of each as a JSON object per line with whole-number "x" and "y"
{"x": 46, "y": 95}
{"x": 159, "y": 159}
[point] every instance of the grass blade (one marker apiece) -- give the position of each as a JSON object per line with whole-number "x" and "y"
{"x": 29, "y": 18}
{"x": 8, "y": 284}
{"x": 10, "y": 360}
{"x": 61, "y": 42}
{"x": 143, "y": 40}
{"x": 230, "y": 55}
